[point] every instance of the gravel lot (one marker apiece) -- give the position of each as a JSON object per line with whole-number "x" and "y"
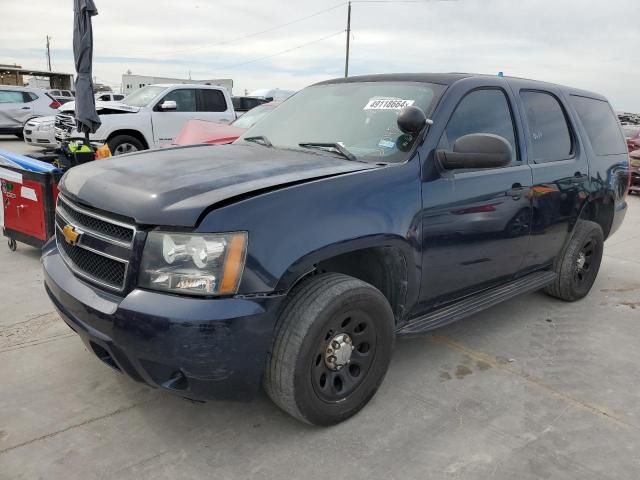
{"x": 533, "y": 388}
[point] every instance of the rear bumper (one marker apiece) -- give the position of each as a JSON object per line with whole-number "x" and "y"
{"x": 196, "y": 348}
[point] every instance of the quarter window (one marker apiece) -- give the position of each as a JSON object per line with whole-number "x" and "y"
{"x": 548, "y": 133}
{"x": 601, "y": 125}
{"x": 185, "y": 99}
{"x": 212, "y": 101}
{"x": 481, "y": 111}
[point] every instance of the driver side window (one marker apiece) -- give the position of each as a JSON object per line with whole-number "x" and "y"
{"x": 481, "y": 111}
{"x": 185, "y": 99}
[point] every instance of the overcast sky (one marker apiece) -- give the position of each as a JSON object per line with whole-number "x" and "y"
{"x": 584, "y": 43}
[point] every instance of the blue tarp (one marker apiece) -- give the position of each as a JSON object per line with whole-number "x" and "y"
{"x": 26, "y": 163}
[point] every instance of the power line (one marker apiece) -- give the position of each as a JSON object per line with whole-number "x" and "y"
{"x": 285, "y": 51}
{"x": 254, "y": 34}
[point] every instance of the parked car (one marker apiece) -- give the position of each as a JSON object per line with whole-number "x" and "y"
{"x": 109, "y": 97}
{"x": 18, "y": 105}
{"x": 243, "y": 104}
{"x": 152, "y": 116}
{"x": 39, "y": 132}
{"x": 62, "y": 96}
{"x": 632, "y": 135}
{"x": 200, "y": 131}
{"x": 272, "y": 94}
{"x": 634, "y": 184}
{"x": 293, "y": 257}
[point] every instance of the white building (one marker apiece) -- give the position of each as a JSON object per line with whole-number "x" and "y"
{"x": 131, "y": 83}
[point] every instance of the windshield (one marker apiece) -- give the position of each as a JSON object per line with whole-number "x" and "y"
{"x": 360, "y": 117}
{"x": 250, "y": 118}
{"x": 142, "y": 97}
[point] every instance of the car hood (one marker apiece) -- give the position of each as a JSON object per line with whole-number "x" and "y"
{"x": 102, "y": 107}
{"x": 174, "y": 186}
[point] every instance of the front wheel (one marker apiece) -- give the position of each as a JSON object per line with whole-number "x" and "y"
{"x": 121, "y": 144}
{"x": 577, "y": 267}
{"x": 332, "y": 349}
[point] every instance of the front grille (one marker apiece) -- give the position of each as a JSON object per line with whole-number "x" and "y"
{"x": 96, "y": 235}
{"x": 114, "y": 231}
{"x": 95, "y": 266}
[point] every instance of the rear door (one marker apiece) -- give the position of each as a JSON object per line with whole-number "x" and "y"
{"x": 560, "y": 170}
{"x": 475, "y": 222}
{"x": 14, "y": 110}
{"x": 213, "y": 106}
{"x": 167, "y": 123}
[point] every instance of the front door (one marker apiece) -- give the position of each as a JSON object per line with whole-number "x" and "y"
{"x": 167, "y": 123}
{"x": 475, "y": 223}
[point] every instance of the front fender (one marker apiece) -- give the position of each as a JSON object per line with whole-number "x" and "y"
{"x": 293, "y": 228}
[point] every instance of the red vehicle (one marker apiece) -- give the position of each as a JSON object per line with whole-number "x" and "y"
{"x": 200, "y": 131}
{"x": 632, "y": 135}
{"x": 634, "y": 183}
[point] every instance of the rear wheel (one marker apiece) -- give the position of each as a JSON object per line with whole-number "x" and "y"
{"x": 121, "y": 144}
{"x": 577, "y": 267}
{"x": 332, "y": 349}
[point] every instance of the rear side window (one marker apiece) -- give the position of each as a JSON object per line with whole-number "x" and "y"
{"x": 11, "y": 96}
{"x": 118, "y": 97}
{"x": 212, "y": 101}
{"x": 29, "y": 97}
{"x": 55, "y": 93}
{"x": 549, "y": 134}
{"x": 601, "y": 125}
{"x": 481, "y": 111}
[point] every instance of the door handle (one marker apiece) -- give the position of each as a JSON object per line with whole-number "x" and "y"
{"x": 26, "y": 108}
{"x": 516, "y": 191}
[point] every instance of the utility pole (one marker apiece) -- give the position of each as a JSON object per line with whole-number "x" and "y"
{"x": 48, "y": 53}
{"x": 346, "y": 60}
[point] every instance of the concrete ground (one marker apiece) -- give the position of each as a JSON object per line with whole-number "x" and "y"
{"x": 533, "y": 388}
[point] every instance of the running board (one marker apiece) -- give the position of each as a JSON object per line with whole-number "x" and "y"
{"x": 476, "y": 303}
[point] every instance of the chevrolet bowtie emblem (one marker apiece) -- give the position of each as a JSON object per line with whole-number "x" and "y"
{"x": 70, "y": 234}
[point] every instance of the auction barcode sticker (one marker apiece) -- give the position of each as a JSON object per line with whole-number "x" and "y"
{"x": 388, "y": 104}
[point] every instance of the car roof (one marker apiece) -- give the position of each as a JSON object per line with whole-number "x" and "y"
{"x": 450, "y": 78}
{"x": 28, "y": 89}
{"x": 198, "y": 85}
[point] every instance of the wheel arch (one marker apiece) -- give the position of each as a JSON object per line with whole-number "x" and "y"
{"x": 386, "y": 262}
{"x": 599, "y": 209}
{"x": 131, "y": 132}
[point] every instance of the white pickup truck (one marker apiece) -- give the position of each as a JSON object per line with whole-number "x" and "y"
{"x": 151, "y": 117}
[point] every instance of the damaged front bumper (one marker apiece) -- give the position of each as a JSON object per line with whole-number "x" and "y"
{"x": 197, "y": 348}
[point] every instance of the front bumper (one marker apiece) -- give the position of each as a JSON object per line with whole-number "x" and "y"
{"x": 196, "y": 348}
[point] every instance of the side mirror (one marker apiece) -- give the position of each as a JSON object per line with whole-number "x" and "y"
{"x": 477, "y": 150}
{"x": 411, "y": 120}
{"x": 169, "y": 105}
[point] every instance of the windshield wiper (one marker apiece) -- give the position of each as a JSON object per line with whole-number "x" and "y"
{"x": 334, "y": 147}
{"x": 261, "y": 139}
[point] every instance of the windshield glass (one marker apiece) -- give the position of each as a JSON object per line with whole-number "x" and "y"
{"x": 142, "y": 97}
{"x": 250, "y": 118}
{"x": 361, "y": 117}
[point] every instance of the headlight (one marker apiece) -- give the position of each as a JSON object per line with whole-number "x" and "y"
{"x": 197, "y": 264}
{"x": 45, "y": 127}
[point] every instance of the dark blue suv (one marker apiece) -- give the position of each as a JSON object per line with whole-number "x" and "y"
{"x": 360, "y": 209}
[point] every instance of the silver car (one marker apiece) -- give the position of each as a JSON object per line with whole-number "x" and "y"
{"x": 18, "y": 105}
{"x": 39, "y": 132}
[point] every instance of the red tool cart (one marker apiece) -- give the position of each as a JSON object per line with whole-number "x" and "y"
{"x": 29, "y": 200}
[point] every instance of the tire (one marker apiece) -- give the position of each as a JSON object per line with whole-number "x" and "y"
{"x": 122, "y": 144}
{"x": 318, "y": 312}
{"x": 20, "y": 135}
{"x": 577, "y": 267}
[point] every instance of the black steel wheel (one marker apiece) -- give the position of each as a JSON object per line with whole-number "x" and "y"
{"x": 12, "y": 244}
{"x": 332, "y": 348}
{"x": 577, "y": 267}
